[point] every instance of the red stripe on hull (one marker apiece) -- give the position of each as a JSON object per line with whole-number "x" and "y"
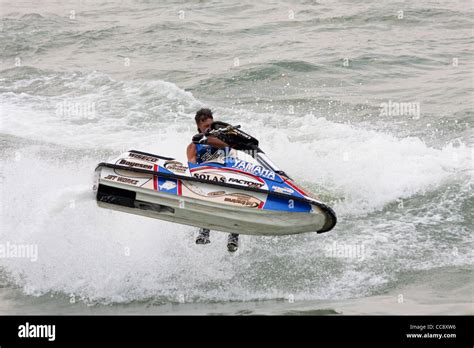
{"x": 296, "y": 188}
{"x": 155, "y": 178}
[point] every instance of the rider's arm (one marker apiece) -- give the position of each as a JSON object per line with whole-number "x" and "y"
{"x": 211, "y": 140}
{"x": 191, "y": 152}
{"x": 216, "y": 142}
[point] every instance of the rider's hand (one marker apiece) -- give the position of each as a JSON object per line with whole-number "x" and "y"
{"x": 198, "y": 138}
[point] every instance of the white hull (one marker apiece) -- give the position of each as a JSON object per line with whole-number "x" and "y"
{"x": 193, "y": 212}
{"x": 244, "y": 197}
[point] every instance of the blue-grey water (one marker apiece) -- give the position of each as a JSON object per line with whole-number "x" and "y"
{"x": 366, "y": 103}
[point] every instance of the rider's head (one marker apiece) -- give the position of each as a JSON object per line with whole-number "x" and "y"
{"x": 203, "y": 119}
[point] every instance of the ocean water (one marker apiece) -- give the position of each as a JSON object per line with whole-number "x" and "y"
{"x": 366, "y": 103}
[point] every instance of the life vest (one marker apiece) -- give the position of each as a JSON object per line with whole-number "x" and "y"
{"x": 208, "y": 153}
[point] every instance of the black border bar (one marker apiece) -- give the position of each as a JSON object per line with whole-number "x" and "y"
{"x": 261, "y": 330}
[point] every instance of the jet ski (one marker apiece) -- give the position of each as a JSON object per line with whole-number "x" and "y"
{"x": 242, "y": 192}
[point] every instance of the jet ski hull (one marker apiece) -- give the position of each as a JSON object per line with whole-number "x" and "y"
{"x": 219, "y": 197}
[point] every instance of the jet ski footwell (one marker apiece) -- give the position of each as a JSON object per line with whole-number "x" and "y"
{"x": 162, "y": 188}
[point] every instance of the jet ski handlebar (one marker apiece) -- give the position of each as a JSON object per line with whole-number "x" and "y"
{"x": 218, "y": 131}
{"x": 201, "y": 138}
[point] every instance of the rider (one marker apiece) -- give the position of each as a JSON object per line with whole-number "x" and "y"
{"x": 199, "y": 152}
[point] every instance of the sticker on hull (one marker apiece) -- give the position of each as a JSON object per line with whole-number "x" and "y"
{"x": 220, "y": 195}
{"x": 229, "y": 176}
